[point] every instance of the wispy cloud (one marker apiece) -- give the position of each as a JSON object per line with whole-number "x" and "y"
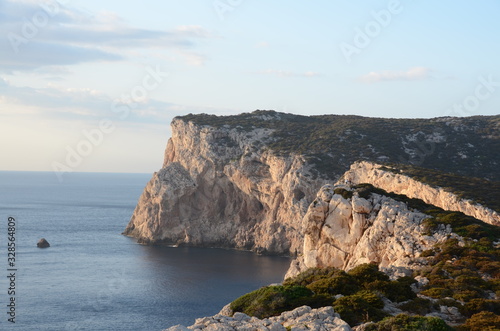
{"x": 192, "y": 58}
{"x": 284, "y": 73}
{"x": 82, "y": 104}
{"x": 67, "y": 36}
{"x": 412, "y": 74}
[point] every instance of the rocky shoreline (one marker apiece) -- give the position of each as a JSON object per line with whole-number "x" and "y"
{"x": 300, "y": 319}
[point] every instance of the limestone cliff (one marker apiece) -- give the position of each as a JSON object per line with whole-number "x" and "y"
{"x": 222, "y": 187}
{"x": 344, "y": 232}
{"x": 380, "y": 176}
{"x": 236, "y": 181}
{"x": 264, "y": 182}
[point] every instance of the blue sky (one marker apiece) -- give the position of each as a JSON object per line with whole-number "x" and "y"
{"x": 93, "y": 85}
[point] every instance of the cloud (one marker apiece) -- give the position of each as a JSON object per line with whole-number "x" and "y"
{"x": 40, "y": 54}
{"x": 193, "y": 59}
{"x": 193, "y": 31}
{"x": 283, "y": 73}
{"x": 80, "y": 104}
{"x": 412, "y": 74}
{"x": 54, "y": 70}
{"x": 52, "y": 35}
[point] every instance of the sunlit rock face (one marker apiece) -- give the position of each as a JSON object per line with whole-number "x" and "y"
{"x": 241, "y": 185}
{"x": 222, "y": 187}
{"x": 372, "y": 173}
{"x": 346, "y": 232}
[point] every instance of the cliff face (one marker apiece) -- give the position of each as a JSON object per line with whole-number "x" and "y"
{"x": 379, "y": 176}
{"x": 235, "y": 182}
{"x": 221, "y": 187}
{"x": 346, "y": 232}
{"x": 331, "y": 143}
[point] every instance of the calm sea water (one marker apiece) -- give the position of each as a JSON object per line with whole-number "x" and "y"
{"x": 92, "y": 277}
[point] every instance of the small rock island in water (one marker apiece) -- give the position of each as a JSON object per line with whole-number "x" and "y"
{"x": 42, "y": 243}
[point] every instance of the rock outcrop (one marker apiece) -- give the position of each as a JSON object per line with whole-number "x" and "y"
{"x": 221, "y": 187}
{"x": 249, "y": 185}
{"x": 42, "y": 243}
{"x": 345, "y": 232}
{"x": 300, "y": 319}
{"x": 375, "y": 174}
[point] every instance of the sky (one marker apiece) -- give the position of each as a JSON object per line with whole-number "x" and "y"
{"x": 91, "y": 86}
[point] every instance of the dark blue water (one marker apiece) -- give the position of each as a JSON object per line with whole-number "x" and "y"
{"x": 93, "y": 278}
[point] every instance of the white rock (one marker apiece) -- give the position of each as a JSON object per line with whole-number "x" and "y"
{"x": 261, "y": 199}
{"x": 360, "y": 205}
{"x": 390, "y": 236}
{"x": 226, "y": 310}
{"x": 301, "y": 318}
{"x": 372, "y": 173}
{"x": 178, "y": 328}
{"x": 258, "y": 198}
{"x": 275, "y": 326}
{"x": 240, "y": 317}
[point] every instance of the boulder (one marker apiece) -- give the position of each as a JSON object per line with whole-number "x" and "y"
{"x": 301, "y": 318}
{"x": 42, "y": 243}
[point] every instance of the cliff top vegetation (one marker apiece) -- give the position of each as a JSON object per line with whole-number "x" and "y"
{"x": 464, "y": 146}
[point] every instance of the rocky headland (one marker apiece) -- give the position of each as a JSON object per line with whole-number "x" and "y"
{"x": 325, "y": 191}
{"x": 246, "y": 181}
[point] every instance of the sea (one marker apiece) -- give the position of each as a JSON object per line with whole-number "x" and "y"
{"x": 92, "y": 277}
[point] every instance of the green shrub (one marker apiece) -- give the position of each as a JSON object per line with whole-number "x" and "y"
{"x": 489, "y": 267}
{"x": 467, "y": 295}
{"x": 270, "y": 300}
{"x": 463, "y": 225}
{"x": 449, "y": 302}
{"x": 273, "y": 300}
{"x": 397, "y": 291}
{"x": 368, "y": 273}
{"x": 428, "y": 252}
{"x": 361, "y": 307}
{"x": 437, "y": 292}
{"x": 365, "y": 190}
{"x": 465, "y": 270}
{"x": 475, "y": 306}
{"x": 404, "y": 322}
{"x": 340, "y": 284}
{"x": 313, "y": 274}
{"x": 343, "y": 192}
{"x": 483, "y": 321}
{"x": 419, "y": 306}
